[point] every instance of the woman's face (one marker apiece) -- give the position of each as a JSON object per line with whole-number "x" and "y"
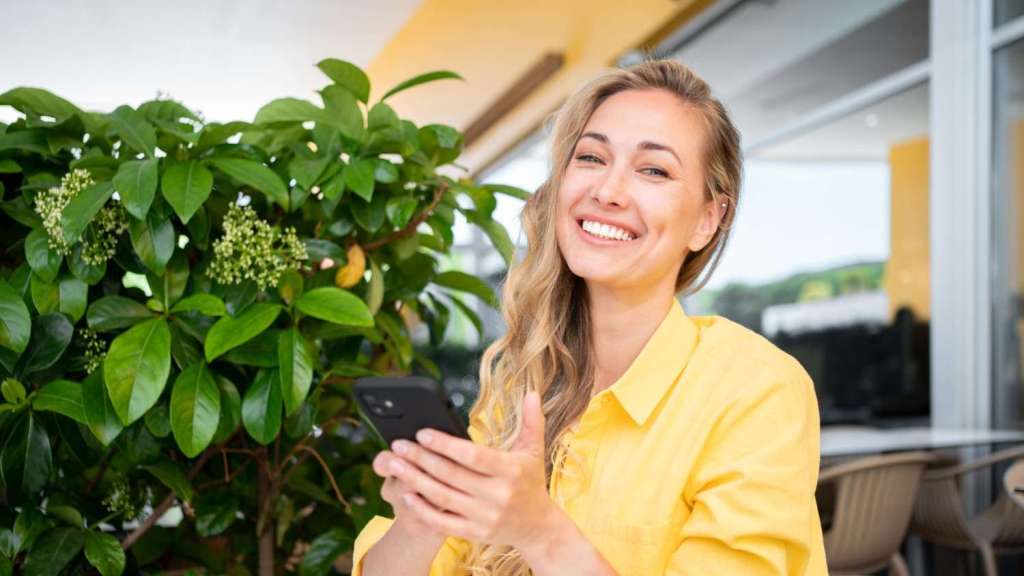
{"x": 632, "y": 204}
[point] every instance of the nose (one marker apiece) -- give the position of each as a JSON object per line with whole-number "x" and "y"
{"x": 612, "y": 190}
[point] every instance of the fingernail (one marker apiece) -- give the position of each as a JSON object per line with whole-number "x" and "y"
{"x": 424, "y": 437}
{"x": 407, "y": 498}
{"x": 397, "y": 467}
{"x": 401, "y": 447}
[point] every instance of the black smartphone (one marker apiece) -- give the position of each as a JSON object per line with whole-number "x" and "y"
{"x": 397, "y": 407}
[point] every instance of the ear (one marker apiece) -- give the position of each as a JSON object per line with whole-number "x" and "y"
{"x": 712, "y": 213}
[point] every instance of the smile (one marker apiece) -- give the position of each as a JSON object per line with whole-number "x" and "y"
{"x": 605, "y": 231}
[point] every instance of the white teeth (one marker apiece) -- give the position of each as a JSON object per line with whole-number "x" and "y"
{"x": 606, "y": 231}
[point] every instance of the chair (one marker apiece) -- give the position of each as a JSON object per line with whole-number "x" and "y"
{"x": 874, "y": 499}
{"x": 940, "y": 518}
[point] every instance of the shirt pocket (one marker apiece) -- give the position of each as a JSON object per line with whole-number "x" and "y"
{"x": 633, "y": 548}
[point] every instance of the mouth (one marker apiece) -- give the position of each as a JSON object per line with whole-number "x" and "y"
{"x": 604, "y": 233}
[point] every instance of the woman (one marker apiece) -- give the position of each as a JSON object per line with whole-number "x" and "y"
{"x": 639, "y": 441}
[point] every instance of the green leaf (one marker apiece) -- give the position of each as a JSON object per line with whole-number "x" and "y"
{"x": 12, "y": 391}
{"x": 382, "y": 116}
{"x": 467, "y": 283}
{"x": 115, "y": 312}
{"x": 375, "y": 291}
{"x": 136, "y": 182}
{"x": 348, "y": 75}
{"x": 358, "y": 177}
{"x": 261, "y": 408}
{"x": 186, "y": 186}
{"x": 104, "y": 552}
{"x": 39, "y": 102}
{"x": 195, "y": 409}
{"x": 421, "y": 79}
{"x": 172, "y": 476}
{"x": 469, "y": 314}
{"x": 214, "y": 133}
{"x": 51, "y": 334}
{"x": 230, "y": 332}
{"x": 158, "y": 420}
{"x": 99, "y": 411}
{"x": 28, "y": 526}
{"x": 318, "y": 249}
{"x": 256, "y": 175}
{"x": 206, "y": 304}
{"x": 370, "y": 215}
{"x": 400, "y": 210}
{"x": 68, "y": 514}
{"x": 25, "y": 458}
{"x": 342, "y": 112}
{"x": 389, "y": 323}
{"x": 153, "y": 240}
{"x": 15, "y": 323}
{"x": 63, "y": 397}
{"x": 133, "y": 129}
{"x": 498, "y": 235}
{"x": 82, "y": 208}
{"x": 215, "y": 513}
{"x": 73, "y": 297}
{"x": 335, "y": 305}
{"x": 89, "y": 273}
{"x": 45, "y": 295}
{"x": 230, "y": 410}
{"x": 385, "y": 171}
{"x": 136, "y": 368}
{"x": 261, "y": 351}
{"x": 296, "y": 367}
{"x": 43, "y": 261}
{"x": 8, "y": 166}
{"x": 289, "y": 110}
{"x": 170, "y": 285}
{"x": 322, "y": 552}
{"x": 53, "y": 551}
{"x": 508, "y": 191}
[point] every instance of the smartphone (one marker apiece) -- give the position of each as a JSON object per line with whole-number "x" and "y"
{"x": 397, "y": 407}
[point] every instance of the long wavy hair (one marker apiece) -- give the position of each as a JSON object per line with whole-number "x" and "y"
{"x": 547, "y": 345}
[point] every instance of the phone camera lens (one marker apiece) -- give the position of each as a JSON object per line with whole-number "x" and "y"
{"x": 389, "y": 404}
{"x": 370, "y": 398}
{"x": 377, "y": 410}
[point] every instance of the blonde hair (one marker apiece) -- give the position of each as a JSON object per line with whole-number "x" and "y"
{"x": 547, "y": 343}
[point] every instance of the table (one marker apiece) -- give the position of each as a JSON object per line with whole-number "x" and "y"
{"x": 844, "y": 441}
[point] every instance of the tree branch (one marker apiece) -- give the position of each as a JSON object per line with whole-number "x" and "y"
{"x": 410, "y": 228}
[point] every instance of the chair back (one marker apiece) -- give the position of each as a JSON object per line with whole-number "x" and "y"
{"x": 874, "y": 501}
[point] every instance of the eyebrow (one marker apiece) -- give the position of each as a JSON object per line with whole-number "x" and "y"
{"x": 645, "y": 145}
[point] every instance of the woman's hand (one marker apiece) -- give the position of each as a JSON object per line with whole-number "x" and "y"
{"x": 456, "y": 487}
{"x": 392, "y": 492}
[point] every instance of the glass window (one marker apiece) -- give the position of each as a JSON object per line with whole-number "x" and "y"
{"x": 1008, "y": 216}
{"x": 1005, "y": 10}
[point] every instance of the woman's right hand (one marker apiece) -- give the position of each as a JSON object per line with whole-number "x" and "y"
{"x": 394, "y": 489}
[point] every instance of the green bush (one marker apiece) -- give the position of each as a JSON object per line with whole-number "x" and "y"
{"x": 183, "y": 308}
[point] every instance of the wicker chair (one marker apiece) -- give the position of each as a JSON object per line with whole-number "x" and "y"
{"x": 873, "y": 503}
{"x": 939, "y": 515}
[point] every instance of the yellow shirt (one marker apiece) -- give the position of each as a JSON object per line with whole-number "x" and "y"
{"x": 701, "y": 459}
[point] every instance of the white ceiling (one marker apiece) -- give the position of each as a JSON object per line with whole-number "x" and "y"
{"x": 225, "y": 58}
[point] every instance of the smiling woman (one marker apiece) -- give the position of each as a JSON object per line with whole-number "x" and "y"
{"x": 613, "y": 433}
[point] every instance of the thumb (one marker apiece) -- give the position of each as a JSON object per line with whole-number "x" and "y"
{"x": 531, "y": 436}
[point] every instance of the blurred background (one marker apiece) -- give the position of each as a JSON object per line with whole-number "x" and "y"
{"x": 878, "y": 233}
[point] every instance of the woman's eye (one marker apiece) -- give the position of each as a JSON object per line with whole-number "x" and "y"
{"x": 656, "y": 172}
{"x": 584, "y": 157}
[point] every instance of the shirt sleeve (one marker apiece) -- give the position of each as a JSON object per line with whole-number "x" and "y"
{"x": 752, "y": 493}
{"x": 446, "y": 561}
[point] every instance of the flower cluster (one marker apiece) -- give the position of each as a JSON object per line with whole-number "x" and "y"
{"x": 126, "y": 499}
{"x": 100, "y": 240}
{"x": 95, "y": 349}
{"x": 50, "y": 206}
{"x": 251, "y": 249}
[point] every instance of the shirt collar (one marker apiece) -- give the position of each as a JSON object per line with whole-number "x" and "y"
{"x": 658, "y": 365}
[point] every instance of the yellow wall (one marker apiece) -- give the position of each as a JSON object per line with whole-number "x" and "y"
{"x": 492, "y": 43}
{"x": 908, "y": 272}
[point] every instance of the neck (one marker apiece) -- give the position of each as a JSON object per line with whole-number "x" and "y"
{"x": 621, "y": 324}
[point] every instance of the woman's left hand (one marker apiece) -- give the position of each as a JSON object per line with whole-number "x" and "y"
{"x": 480, "y": 493}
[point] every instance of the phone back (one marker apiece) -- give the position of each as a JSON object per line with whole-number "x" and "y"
{"x": 399, "y": 406}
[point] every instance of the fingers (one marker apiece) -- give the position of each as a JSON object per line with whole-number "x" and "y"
{"x": 440, "y": 467}
{"x": 473, "y": 456}
{"x": 440, "y": 521}
{"x": 438, "y": 493}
